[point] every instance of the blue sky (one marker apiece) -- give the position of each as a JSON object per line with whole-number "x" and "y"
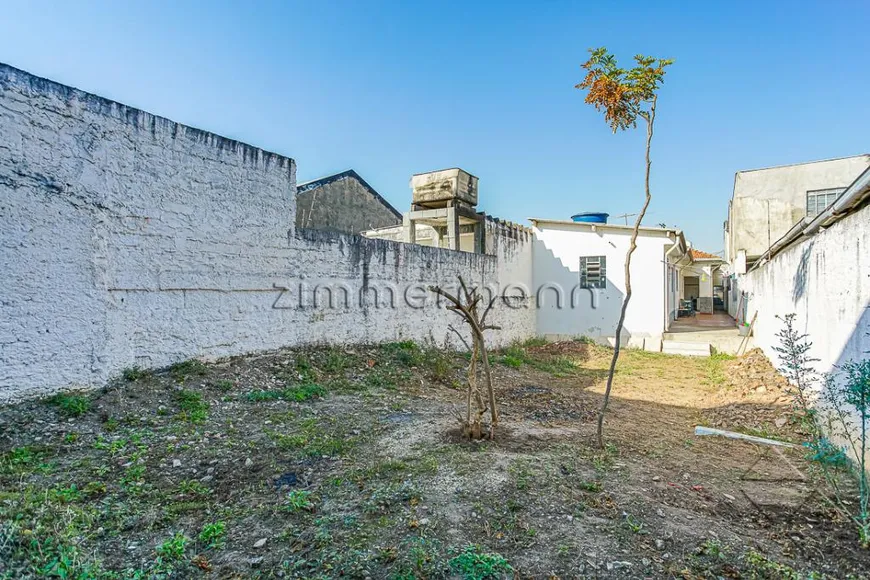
{"x": 395, "y": 88}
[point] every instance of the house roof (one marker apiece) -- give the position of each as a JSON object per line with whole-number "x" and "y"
{"x": 591, "y": 226}
{"x": 350, "y": 173}
{"x": 702, "y": 255}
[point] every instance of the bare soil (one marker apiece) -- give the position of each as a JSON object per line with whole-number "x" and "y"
{"x": 346, "y": 462}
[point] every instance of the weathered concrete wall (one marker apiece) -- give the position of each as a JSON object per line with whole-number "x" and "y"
{"x": 594, "y": 313}
{"x": 128, "y": 239}
{"x": 343, "y": 203}
{"x": 767, "y": 202}
{"x": 825, "y": 281}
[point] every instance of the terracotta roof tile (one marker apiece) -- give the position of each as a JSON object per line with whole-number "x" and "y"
{"x": 701, "y": 255}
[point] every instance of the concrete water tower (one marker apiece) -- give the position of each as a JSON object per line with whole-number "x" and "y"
{"x": 446, "y": 200}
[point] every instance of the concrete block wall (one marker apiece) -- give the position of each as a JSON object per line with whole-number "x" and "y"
{"x": 129, "y": 239}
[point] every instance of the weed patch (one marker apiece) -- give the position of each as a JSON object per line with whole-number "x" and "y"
{"x": 473, "y": 564}
{"x": 191, "y": 405}
{"x": 71, "y": 405}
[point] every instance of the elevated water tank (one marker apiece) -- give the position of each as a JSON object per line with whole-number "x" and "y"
{"x": 591, "y": 217}
{"x": 437, "y": 189}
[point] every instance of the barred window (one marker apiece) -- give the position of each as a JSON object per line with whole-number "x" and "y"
{"x": 593, "y": 271}
{"x": 819, "y": 200}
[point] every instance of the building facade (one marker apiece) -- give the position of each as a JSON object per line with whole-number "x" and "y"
{"x": 766, "y": 203}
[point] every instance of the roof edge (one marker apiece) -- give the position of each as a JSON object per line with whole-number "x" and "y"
{"x": 608, "y": 226}
{"x": 804, "y": 163}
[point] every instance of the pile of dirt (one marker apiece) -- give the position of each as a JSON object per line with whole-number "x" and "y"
{"x": 753, "y": 374}
{"x": 754, "y": 399}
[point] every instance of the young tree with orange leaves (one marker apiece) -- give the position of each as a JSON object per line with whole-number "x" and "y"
{"x": 624, "y": 95}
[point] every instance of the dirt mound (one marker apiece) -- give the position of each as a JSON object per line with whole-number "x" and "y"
{"x": 753, "y": 374}
{"x": 753, "y": 399}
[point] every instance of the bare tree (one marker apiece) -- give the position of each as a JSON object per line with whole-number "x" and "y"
{"x": 624, "y": 95}
{"x": 466, "y": 305}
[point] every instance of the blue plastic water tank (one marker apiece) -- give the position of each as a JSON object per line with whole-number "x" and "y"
{"x": 591, "y": 217}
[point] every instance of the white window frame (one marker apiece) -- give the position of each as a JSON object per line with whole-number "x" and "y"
{"x": 818, "y": 200}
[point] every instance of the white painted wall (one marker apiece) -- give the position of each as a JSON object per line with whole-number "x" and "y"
{"x": 825, "y": 281}
{"x": 557, "y": 251}
{"x": 129, "y": 239}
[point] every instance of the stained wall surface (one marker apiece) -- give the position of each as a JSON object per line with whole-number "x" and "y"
{"x": 129, "y": 239}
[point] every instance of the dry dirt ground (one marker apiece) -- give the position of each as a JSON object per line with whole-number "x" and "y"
{"x": 345, "y": 462}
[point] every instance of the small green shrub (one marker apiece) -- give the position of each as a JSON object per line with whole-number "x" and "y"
{"x": 297, "y": 393}
{"x": 303, "y": 392}
{"x": 406, "y": 353}
{"x": 20, "y": 456}
{"x": 212, "y": 535}
{"x": 337, "y": 361}
{"x": 225, "y": 385}
{"x": 511, "y": 361}
{"x": 71, "y": 405}
{"x": 193, "y": 487}
{"x": 298, "y": 500}
{"x": 134, "y": 373}
{"x": 184, "y": 369}
{"x": 473, "y": 564}
{"x": 67, "y": 494}
{"x": 174, "y": 547}
{"x": 192, "y": 407}
{"x": 592, "y": 486}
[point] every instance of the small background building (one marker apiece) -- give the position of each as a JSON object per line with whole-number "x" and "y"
{"x": 766, "y": 203}
{"x": 343, "y": 202}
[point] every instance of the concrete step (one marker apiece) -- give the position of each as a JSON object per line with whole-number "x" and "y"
{"x": 686, "y": 348}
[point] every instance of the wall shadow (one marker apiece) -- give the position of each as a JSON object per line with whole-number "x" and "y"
{"x": 565, "y": 309}
{"x": 799, "y": 286}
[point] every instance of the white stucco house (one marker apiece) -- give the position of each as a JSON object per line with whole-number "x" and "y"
{"x": 578, "y": 270}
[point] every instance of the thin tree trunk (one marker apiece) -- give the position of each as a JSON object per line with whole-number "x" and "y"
{"x": 493, "y": 410}
{"x": 650, "y": 119}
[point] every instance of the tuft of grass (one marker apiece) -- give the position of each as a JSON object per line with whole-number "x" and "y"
{"x": 633, "y": 524}
{"x": 310, "y": 439}
{"x": 212, "y": 535}
{"x": 592, "y": 486}
{"x": 19, "y": 457}
{"x": 303, "y": 392}
{"x": 134, "y": 373}
{"x": 71, "y": 405}
{"x": 188, "y": 368}
{"x": 406, "y": 353}
{"x": 193, "y": 408}
{"x": 511, "y": 361}
{"x": 338, "y": 361}
{"x": 193, "y": 487}
{"x": 473, "y": 564}
{"x": 298, "y": 500}
{"x": 225, "y": 385}
{"x": 297, "y": 393}
{"x": 174, "y": 548}
{"x": 516, "y": 356}
{"x": 760, "y": 566}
